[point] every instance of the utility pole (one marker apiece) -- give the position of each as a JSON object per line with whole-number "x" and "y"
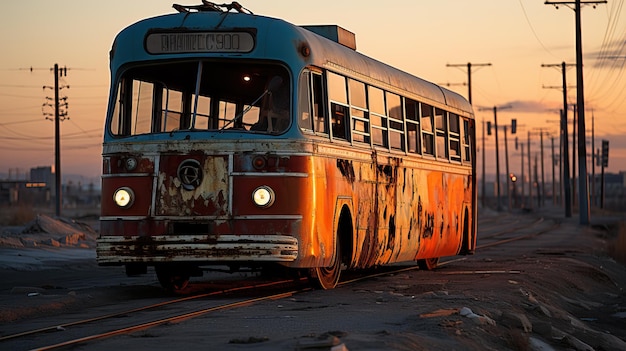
{"x": 58, "y": 117}
{"x": 523, "y": 181}
{"x": 565, "y": 176}
{"x": 553, "y": 172}
{"x": 469, "y": 75}
{"x": 495, "y": 120}
{"x": 469, "y": 97}
{"x": 530, "y": 176}
{"x": 482, "y": 195}
{"x": 574, "y": 126}
{"x": 506, "y": 153}
{"x": 580, "y": 101}
{"x": 508, "y": 173}
{"x": 565, "y": 184}
{"x": 593, "y": 160}
{"x": 542, "y": 193}
{"x": 537, "y": 181}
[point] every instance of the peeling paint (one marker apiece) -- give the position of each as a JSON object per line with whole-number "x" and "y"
{"x": 346, "y": 169}
{"x": 206, "y": 199}
{"x": 429, "y": 225}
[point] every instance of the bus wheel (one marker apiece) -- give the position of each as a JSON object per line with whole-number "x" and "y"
{"x": 428, "y": 264}
{"x": 171, "y": 279}
{"x": 327, "y": 277}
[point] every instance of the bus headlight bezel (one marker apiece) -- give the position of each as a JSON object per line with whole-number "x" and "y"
{"x": 124, "y": 197}
{"x": 263, "y": 196}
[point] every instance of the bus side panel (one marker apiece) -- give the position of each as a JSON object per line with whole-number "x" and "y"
{"x": 405, "y": 221}
{"x": 442, "y": 215}
{"x": 402, "y": 213}
{"x": 318, "y": 242}
{"x": 366, "y": 241}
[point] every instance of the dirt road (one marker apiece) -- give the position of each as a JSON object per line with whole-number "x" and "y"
{"x": 555, "y": 291}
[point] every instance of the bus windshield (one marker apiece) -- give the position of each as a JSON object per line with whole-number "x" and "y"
{"x": 201, "y": 96}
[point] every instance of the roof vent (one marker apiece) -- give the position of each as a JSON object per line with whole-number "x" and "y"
{"x": 336, "y": 34}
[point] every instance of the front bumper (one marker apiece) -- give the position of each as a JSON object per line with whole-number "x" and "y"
{"x": 118, "y": 250}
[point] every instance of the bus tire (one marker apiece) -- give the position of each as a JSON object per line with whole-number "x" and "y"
{"x": 428, "y": 264}
{"x": 172, "y": 279}
{"x": 327, "y": 277}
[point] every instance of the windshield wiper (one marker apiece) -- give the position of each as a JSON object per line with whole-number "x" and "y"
{"x": 272, "y": 86}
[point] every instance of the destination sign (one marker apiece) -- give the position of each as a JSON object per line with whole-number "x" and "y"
{"x": 190, "y": 42}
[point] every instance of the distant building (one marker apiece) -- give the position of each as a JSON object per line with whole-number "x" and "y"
{"x": 23, "y": 192}
{"x": 39, "y": 190}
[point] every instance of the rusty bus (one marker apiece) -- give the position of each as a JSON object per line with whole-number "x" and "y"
{"x": 245, "y": 141}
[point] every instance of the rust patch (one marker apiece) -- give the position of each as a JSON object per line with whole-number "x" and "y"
{"x": 443, "y": 221}
{"x": 346, "y": 169}
{"x": 429, "y": 226}
{"x": 208, "y": 198}
{"x": 391, "y": 236}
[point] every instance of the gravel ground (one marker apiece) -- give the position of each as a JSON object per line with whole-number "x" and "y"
{"x": 557, "y": 291}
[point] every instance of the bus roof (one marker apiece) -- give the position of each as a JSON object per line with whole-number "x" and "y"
{"x": 286, "y": 41}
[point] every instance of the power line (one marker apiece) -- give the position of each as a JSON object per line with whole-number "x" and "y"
{"x": 533, "y": 29}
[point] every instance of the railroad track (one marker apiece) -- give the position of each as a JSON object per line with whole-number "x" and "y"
{"x": 205, "y": 303}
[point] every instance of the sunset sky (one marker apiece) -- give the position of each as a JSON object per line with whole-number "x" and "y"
{"x": 420, "y": 37}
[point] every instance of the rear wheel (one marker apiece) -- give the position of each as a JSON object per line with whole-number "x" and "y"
{"x": 428, "y": 264}
{"x": 172, "y": 279}
{"x": 328, "y": 277}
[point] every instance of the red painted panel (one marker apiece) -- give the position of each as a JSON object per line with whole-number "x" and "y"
{"x": 142, "y": 188}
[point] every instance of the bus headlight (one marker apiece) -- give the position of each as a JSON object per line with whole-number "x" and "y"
{"x": 263, "y": 196}
{"x": 124, "y": 197}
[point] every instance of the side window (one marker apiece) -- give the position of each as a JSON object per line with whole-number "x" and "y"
{"x": 413, "y": 138}
{"x": 305, "y": 115}
{"x": 441, "y": 127}
{"x": 311, "y": 106}
{"x": 454, "y": 137}
{"x": 466, "y": 141}
{"x": 134, "y": 110}
{"x": 396, "y": 125}
{"x": 337, "y": 94}
{"x": 320, "y": 125}
{"x": 428, "y": 136}
{"x": 358, "y": 112}
{"x": 378, "y": 116}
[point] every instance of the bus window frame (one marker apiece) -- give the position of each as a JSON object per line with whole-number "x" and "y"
{"x": 305, "y": 104}
{"x": 378, "y": 115}
{"x": 466, "y": 140}
{"x": 339, "y": 116}
{"x": 415, "y": 122}
{"x": 441, "y": 134}
{"x": 312, "y": 101}
{"x": 358, "y": 102}
{"x": 454, "y": 137}
{"x": 427, "y": 134}
{"x": 397, "y": 120}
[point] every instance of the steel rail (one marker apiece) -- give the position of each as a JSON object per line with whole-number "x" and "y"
{"x": 174, "y": 319}
{"x": 143, "y": 308}
{"x": 510, "y": 230}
